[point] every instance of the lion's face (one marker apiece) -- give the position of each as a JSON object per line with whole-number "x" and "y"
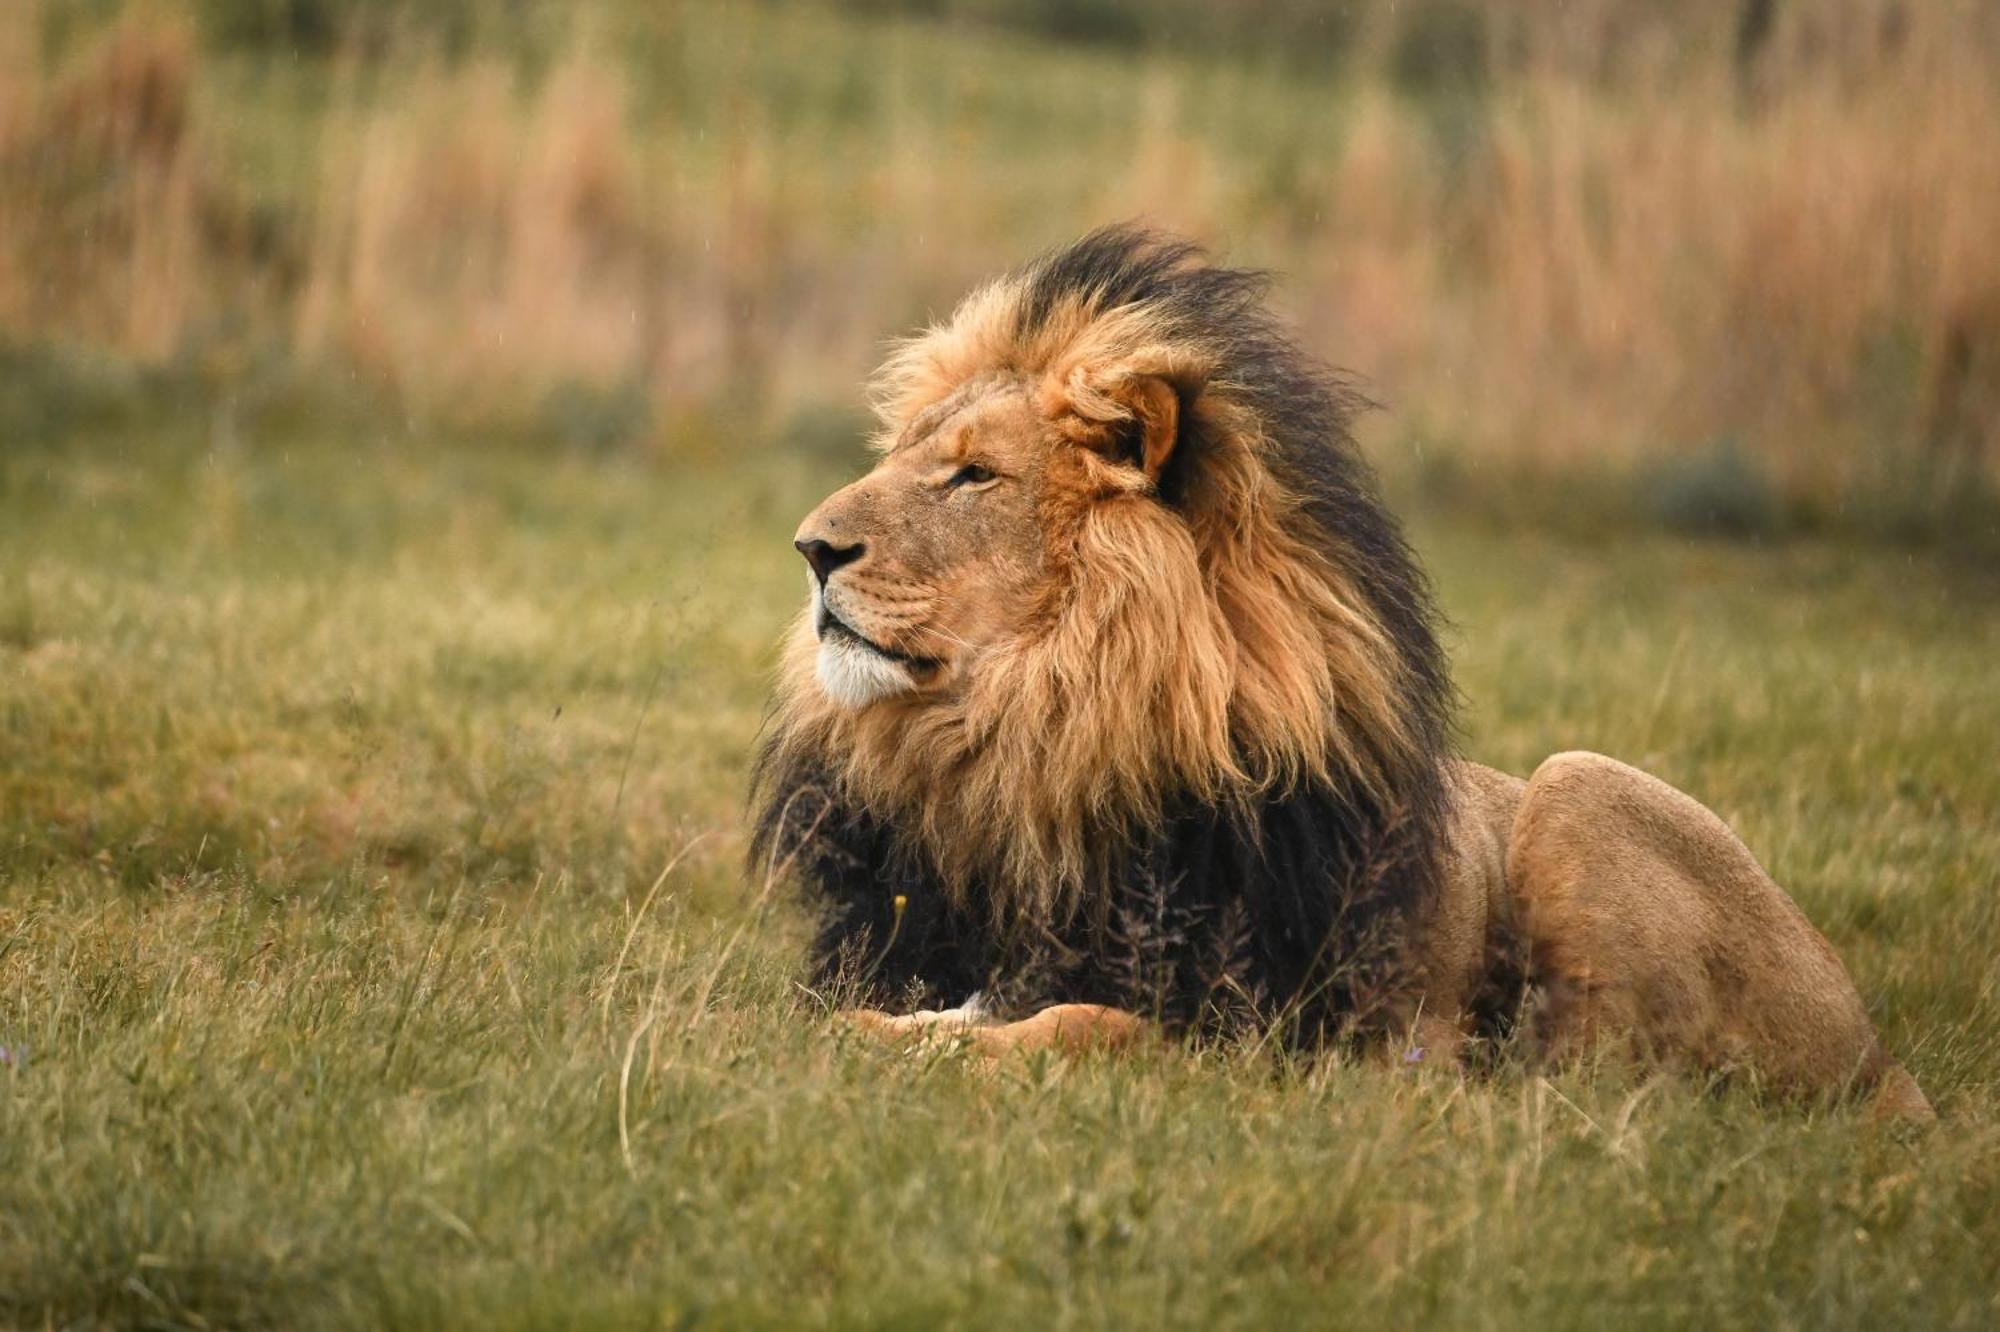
{"x": 935, "y": 555}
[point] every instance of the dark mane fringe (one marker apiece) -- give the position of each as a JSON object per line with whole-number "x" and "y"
{"x": 1219, "y": 923}
{"x": 1298, "y": 907}
{"x": 1307, "y": 411}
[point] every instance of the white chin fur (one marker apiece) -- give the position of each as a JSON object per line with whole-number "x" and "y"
{"x": 854, "y": 677}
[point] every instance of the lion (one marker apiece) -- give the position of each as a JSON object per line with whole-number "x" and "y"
{"x": 1118, "y": 706}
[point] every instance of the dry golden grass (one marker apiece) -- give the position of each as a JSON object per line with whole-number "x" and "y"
{"x": 1629, "y": 240}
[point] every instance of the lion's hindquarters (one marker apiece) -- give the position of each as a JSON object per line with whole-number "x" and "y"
{"x": 1651, "y": 923}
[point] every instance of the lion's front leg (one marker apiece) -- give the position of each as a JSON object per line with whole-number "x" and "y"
{"x": 924, "y": 1024}
{"x": 1066, "y": 1028}
{"x": 1653, "y": 926}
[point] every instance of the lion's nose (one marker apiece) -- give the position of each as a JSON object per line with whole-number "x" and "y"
{"x": 825, "y": 557}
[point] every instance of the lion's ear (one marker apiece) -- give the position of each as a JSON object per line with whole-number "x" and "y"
{"x": 1135, "y": 420}
{"x": 1156, "y": 422}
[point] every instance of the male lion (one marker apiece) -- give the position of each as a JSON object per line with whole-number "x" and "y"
{"x": 1118, "y": 702}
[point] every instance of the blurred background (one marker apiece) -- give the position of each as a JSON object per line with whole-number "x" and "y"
{"x": 1730, "y": 267}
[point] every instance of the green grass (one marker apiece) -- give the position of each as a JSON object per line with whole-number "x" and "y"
{"x": 338, "y": 772}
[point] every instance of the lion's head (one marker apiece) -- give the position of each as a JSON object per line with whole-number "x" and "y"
{"x": 935, "y": 558}
{"x": 1117, "y": 557}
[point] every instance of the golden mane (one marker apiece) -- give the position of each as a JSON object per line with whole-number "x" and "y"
{"x": 1213, "y": 640}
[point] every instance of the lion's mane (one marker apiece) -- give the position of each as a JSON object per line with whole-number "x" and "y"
{"x": 1205, "y": 781}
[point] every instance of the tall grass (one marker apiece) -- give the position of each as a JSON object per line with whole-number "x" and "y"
{"x": 1603, "y": 236}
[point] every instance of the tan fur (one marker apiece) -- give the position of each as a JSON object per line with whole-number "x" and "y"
{"x": 1653, "y": 929}
{"x": 1650, "y": 929}
{"x": 1068, "y": 1028}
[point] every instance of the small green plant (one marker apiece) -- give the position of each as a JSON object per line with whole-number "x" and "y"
{"x": 596, "y": 418}
{"x": 1721, "y": 490}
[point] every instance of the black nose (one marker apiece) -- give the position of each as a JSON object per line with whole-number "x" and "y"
{"x": 825, "y": 557}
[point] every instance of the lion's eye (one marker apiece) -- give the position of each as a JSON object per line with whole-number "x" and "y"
{"x": 972, "y": 474}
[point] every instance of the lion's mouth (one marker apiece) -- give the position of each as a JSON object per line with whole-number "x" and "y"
{"x": 831, "y": 628}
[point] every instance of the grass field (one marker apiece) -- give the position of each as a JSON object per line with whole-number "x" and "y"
{"x": 374, "y": 948}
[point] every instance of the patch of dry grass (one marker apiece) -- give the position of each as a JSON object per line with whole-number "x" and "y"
{"x": 1618, "y": 237}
